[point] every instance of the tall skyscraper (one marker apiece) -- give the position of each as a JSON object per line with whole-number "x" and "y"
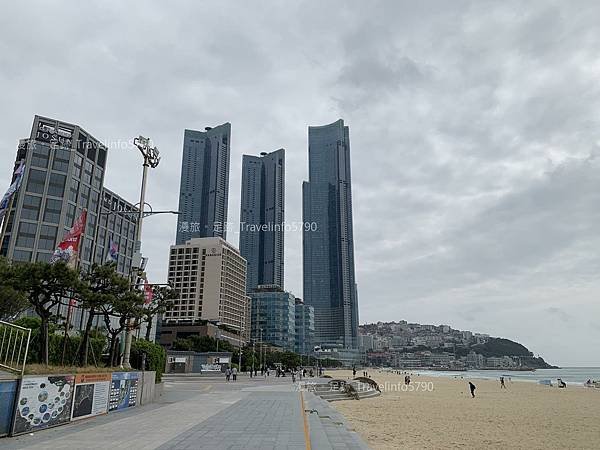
{"x": 204, "y": 188}
{"x": 328, "y": 244}
{"x": 261, "y": 218}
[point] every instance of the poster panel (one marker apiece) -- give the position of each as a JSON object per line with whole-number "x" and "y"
{"x": 43, "y": 402}
{"x": 123, "y": 390}
{"x": 91, "y": 395}
{"x": 8, "y": 392}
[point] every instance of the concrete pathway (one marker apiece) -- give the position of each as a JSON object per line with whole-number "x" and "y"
{"x": 211, "y": 414}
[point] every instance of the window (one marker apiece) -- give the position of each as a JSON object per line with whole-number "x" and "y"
{"x": 78, "y": 165}
{"x": 97, "y": 178}
{"x": 52, "y": 211}
{"x": 74, "y": 190}
{"x": 31, "y": 207}
{"x": 87, "y": 172}
{"x": 84, "y": 196}
{"x": 36, "y": 181}
{"x": 47, "y": 237}
{"x": 43, "y": 257}
{"x": 94, "y": 200}
{"x": 70, "y": 215}
{"x": 56, "y": 185}
{"x": 101, "y": 157}
{"x": 26, "y": 234}
{"x": 21, "y": 255}
{"x": 61, "y": 160}
{"x": 40, "y": 155}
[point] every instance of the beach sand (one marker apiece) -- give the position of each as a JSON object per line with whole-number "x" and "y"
{"x": 524, "y": 416}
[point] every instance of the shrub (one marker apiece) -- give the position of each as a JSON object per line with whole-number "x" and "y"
{"x": 156, "y": 357}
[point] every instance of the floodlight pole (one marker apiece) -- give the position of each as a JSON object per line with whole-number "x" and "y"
{"x": 151, "y": 159}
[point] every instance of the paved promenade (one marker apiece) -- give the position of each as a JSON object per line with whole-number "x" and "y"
{"x": 208, "y": 413}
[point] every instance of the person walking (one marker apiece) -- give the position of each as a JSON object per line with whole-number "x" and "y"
{"x": 502, "y": 385}
{"x": 227, "y": 374}
{"x": 234, "y": 373}
{"x": 472, "y": 387}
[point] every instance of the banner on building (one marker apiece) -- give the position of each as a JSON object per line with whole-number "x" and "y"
{"x": 8, "y": 393}
{"x": 91, "y": 395}
{"x": 14, "y": 187}
{"x": 148, "y": 293}
{"x": 68, "y": 249}
{"x": 113, "y": 252}
{"x": 123, "y": 390}
{"x": 43, "y": 402}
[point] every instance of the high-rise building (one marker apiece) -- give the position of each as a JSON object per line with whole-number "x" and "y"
{"x": 204, "y": 187}
{"x": 328, "y": 244}
{"x": 64, "y": 173}
{"x": 305, "y": 328}
{"x": 210, "y": 276}
{"x": 273, "y": 316}
{"x": 262, "y": 218}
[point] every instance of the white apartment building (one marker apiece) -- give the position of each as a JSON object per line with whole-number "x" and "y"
{"x": 210, "y": 276}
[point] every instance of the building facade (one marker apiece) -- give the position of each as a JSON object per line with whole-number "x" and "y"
{"x": 262, "y": 215}
{"x": 210, "y": 276}
{"x": 328, "y": 244}
{"x": 305, "y": 328}
{"x": 273, "y": 316}
{"x": 204, "y": 185}
{"x": 64, "y": 173}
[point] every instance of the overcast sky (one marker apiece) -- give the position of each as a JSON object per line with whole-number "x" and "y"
{"x": 474, "y": 133}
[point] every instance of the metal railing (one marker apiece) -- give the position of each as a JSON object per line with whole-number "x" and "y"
{"x": 14, "y": 346}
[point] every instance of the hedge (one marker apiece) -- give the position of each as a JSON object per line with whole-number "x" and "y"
{"x": 156, "y": 357}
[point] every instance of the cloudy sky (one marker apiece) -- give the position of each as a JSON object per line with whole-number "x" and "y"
{"x": 474, "y": 131}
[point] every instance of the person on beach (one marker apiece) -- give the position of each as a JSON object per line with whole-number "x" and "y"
{"x": 472, "y": 387}
{"x": 502, "y": 385}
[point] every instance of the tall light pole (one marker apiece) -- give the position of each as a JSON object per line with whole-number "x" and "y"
{"x": 151, "y": 159}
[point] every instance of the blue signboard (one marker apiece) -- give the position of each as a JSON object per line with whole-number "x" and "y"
{"x": 8, "y": 392}
{"x": 123, "y": 390}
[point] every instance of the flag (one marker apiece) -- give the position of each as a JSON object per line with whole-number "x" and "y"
{"x": 68, "y": 249}
{"x": 148, "y": 294}
{"x": 14, "y": 187}
{"x": 113, "y": 252}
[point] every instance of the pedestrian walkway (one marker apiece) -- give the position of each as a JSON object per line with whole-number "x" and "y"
{"x": 263, "y": 420}
{"x": 208, "y": 414}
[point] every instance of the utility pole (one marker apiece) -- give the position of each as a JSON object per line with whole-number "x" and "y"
{"x": 151, "y": 159}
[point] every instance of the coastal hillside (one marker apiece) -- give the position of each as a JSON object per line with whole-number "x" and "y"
{"x": 409, "y": 345}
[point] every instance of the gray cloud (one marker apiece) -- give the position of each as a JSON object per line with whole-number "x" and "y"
{"x": 473, "y": 131}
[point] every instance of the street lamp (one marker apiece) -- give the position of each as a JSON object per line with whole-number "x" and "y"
{"x": 151, "y": 159}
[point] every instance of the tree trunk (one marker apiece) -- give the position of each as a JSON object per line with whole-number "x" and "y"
{"x": 44, "y": 339}
{"x": 148, "y": 329}
{"x": 85, "y": 344}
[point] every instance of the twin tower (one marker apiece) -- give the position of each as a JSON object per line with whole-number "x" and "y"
{"x": 328, "y": 245}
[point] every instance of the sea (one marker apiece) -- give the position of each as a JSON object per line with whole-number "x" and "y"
{"x": 576, "y": 375}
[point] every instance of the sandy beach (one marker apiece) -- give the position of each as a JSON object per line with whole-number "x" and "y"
{"x": 440, "y": 413}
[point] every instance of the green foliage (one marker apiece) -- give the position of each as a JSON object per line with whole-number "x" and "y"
{"x": 12, "y": 301}
{"x": 156, "y": 357}
{"x": 202, "y": 344}
{"x": 55, "y": 349}
{"x": 501, "y": 347}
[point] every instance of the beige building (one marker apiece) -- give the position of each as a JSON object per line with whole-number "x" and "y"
{"x": 210, "y": 275}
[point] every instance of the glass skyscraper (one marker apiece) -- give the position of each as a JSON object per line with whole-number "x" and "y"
{"x": 328, "y": 244}
{"x": 273, "y": 317}
{"x": 261, "y": 218}
{"x": 204, "y": 188}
